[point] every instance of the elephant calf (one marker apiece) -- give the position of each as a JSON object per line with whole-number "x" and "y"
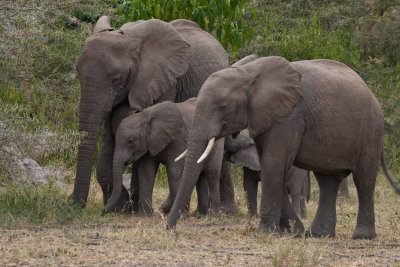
{"x": 241, "y": 150}
{"x": 157, "y": 135}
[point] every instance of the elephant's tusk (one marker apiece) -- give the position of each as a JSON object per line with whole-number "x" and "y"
{"x": 208, "y": 149}
{"x": 181, "y": 156}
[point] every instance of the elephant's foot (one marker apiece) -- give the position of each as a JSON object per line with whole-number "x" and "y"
{"x": 230, "y": 208}
{"x": 269, "y": 227}
{"x": 122, "y": 205}
{"x": 166, "y": 206}
{"x": 72, "y": 201}
{"x": 144, "y": 211}
{"x": 320, "y": 230}
{"x": 201, "y": 211}
{"x": 294, "y": 227}
{"x": 252, "y": 213}
{"x": 364, "y": 232}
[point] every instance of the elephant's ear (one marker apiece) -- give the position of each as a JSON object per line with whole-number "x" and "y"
{"x": 245, "y": 60}
{"x": 127, "y": 25}
{"x": 241, "y": 141}
{"x": 166, "y": 125}
{"x": 185, "y": 24}
{"x": 247, "y": 157}
{"x": 274, "y": 92}
{"x": 162, "y": 56}
{"x": 103, "y": 25}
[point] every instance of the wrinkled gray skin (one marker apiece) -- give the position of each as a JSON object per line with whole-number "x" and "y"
{"x": 318, "y": 115}
{"x": 344, "y": 188}
{"x": 140, "y": 64}
{"x": 241, "y": 150}
{"x": 157, "y": 135}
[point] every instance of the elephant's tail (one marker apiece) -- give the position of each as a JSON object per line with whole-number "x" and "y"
{"x": 385, "y": 170}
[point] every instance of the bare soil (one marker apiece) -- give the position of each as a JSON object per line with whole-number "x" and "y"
{"x": 225, "y": 240}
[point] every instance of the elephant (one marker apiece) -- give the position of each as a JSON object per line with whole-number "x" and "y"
{"x": 344, "y": 188}
{"x": 318, "y": 115}
{"x": 142, "y": 63}
{"x": 158, "y": 134}
{"x": 241, "y": 150}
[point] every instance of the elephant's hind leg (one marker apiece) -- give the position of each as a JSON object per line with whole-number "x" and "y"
{"x": 324, "y": 222}
{"x": 365, "y": 184}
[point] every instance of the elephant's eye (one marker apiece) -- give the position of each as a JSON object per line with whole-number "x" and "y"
{"x": 116, "y": 79}
{"x": 223, "y": 106}
{"x": 130, "y": 141}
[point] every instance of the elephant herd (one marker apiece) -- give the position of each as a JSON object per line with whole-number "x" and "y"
{"x": 164, "y": 93}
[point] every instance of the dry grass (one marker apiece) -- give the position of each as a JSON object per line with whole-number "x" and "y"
{"x": 225, "y": 240}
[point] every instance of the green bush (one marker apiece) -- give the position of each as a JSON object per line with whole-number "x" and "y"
{"x": 224, "y": 18}
{"x": 35, "y": 204}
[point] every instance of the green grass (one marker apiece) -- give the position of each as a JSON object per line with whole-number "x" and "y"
{"x": 22, "y": 205}
{"x": 39, "y": 90}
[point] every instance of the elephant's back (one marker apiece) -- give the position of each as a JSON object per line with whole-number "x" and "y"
{"x": 205, "y": 49}
{"x": 206, "y": 57}
{"x": 187, "y": 110}
{"x": 337, "y": 108}
{"x": 332, "y": 86}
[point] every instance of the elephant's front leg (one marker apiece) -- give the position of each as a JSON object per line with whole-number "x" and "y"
{"x": 104, "y": 167}
{"x": 174, "y": 173}
{"x": 226, "y": 188}
{"x": 277, "y": 149}
{"x": 344, "y": 188}
{"x": 202, "y": 195}
{"x": 135, "y": 186}
{"x": 250, "y": 186}
{"x": 289, "y": 218}
{"x": 147, "y": 174}
{"x": 294, "y": 186}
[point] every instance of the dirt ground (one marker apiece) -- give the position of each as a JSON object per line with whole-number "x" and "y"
{"x": 226, "y": 240}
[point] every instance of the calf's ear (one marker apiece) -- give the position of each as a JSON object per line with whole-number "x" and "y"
{"x": 166, "y": 124}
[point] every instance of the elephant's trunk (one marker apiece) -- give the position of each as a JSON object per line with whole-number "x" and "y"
{"x": 190, "y": 175}
{"x": 118, "y": 171}
{"x": 90, "y": 119}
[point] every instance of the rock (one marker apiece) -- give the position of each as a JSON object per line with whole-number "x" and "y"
{"x": 29, "y": 171}
{"x": 23, "y": 169}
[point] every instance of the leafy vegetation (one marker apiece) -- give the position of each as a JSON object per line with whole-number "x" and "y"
{"x": 224, "y": 18}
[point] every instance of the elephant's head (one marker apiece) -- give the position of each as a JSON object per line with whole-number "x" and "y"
{"x": 253, "y": 94}
{"x": 137, "y": 63}
{"x": 242, "y": 150}
{"x": 149, "y": 131}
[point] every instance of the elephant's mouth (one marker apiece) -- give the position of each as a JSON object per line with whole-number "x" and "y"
{"x": 134, "y": 157}
{"x": 231, "y": 128}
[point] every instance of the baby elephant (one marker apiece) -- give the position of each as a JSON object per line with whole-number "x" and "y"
{"x": 157, "y": 135}
{"x": 241, "y": 150}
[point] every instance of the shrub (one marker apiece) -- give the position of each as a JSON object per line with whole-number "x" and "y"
{"x": 224, "y": 18}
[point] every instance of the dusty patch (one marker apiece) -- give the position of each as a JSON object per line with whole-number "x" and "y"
{"x": 124, "y": 240}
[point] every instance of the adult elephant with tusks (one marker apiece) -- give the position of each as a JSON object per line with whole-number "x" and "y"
{"x": 318, "y": 115}
{"x": 140, "y": 64}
